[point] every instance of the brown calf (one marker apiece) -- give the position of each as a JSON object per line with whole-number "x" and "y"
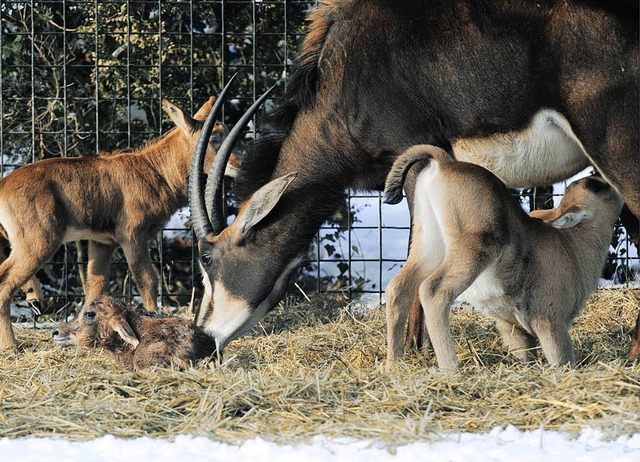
{"x": 116, "y": 199}
{"x": 139, "y": 341}
{"x": 472, "y": 241}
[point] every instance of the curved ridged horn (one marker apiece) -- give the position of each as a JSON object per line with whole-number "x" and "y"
{"x": 213, "y": 192}
{"x": 199, "y": 217}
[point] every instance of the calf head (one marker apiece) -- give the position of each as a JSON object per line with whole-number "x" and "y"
{"x": 190, "y": 127}
{"x": 102, "y": 323}
{"x": 589, "y": 198}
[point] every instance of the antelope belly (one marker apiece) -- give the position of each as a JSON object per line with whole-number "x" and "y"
{"x": 486, "y": 295}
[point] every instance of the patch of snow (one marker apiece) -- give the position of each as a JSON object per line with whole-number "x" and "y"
{"x": 506, "y": 444}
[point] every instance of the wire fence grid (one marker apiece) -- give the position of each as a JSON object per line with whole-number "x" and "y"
{"x": 79, "y": 77}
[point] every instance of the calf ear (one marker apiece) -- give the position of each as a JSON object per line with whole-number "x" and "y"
{"x": 570, "y": 219}
{"x": 204, "y": 110}
{"x": 262, "y": 202}
{"x": 546, "y": 215}
{"x": 182, "y": 120}
{"x": 124, "y": 330}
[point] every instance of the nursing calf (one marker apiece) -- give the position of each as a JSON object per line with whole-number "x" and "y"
{"x": 139, "y": 341}
{"x": 471, "y": 241}
{"x": 119, "y": 198}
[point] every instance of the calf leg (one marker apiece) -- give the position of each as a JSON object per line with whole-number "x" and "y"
{"x": 417, "y": 338}
{"x": 15, "y": 271}
{"x": 555, "y": 341}
{"x": 98, "y": 269}
{"x": 462, "y": 265}
{"x": 33, "y": 292}
{"x": 400, "y": 293}
{"x": 518, "y": 341}
{"x": 32, "y": 289}
{"x": 142, "y": 270}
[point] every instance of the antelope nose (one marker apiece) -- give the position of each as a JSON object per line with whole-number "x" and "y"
{"x": 55, "y": 333}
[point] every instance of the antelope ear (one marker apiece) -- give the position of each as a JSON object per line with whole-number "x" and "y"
{"x": 262, "y": 202}
{"x": 204, "y": 110}
{"x": 570, "y": 219}
{"x": 124, "y": 330}
{"x": 546, "y": 215}
{"x": 182, "y": 120}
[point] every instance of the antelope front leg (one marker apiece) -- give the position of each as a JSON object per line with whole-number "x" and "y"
{"x": 400, "y": 294}
{"x": 7, "y": 339}
{"x": 517, "y": 341}
{"x": 98, "y": 269}
{"x": 142, "y": 270}
{"x": 32, "y": 289}
{"x": 555, "y": 341}
{"x": 15, "y": 271}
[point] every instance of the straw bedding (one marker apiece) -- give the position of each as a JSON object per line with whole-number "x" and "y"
{"x": 318, "y": 368}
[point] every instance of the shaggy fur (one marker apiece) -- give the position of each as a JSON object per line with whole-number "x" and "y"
{"x": 139, "y": 340}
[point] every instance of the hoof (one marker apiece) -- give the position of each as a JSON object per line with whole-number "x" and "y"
{"x": 36, "y": 307}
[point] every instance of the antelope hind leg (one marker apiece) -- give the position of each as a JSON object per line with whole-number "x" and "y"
{"x": 461, "y": 266}
{"x": 32, "y": 289}
{"x": 400, "y": 294}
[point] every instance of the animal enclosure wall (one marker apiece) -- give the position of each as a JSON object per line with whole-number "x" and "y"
{"x": 79, "y": 77}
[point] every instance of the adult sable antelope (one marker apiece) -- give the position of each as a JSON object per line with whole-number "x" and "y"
{"x": 377, "y": 76}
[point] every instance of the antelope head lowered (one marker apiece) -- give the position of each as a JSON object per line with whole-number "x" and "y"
{"x": 246, "y": 297}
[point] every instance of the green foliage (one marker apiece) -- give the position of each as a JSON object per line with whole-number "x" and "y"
{"x": 78, "y": 78}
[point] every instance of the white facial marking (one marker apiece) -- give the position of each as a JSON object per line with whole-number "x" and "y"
{"x": 206, "y": 297}
{"x": 229, "y": 315}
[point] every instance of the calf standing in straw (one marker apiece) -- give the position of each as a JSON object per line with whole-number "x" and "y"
{"x": 472, "y": 241}
{"x": 139, "y": 341}
{"x": 119, "y": 198}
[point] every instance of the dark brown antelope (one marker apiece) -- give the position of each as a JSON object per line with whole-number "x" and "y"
{"x": 138, "y": 340}
{"x": 471, "y": 241}
{"x": 451, "y": 70}
{"x": 114, "y": 199}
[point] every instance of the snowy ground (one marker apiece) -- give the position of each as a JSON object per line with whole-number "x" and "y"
{"x": 499, "y": 445}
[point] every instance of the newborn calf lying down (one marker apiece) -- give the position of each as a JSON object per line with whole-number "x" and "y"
{"x": 138, "y": 340}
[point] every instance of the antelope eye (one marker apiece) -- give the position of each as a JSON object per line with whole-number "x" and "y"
{"x": 206, "y": 259}
{"x": 90, "y": 315}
